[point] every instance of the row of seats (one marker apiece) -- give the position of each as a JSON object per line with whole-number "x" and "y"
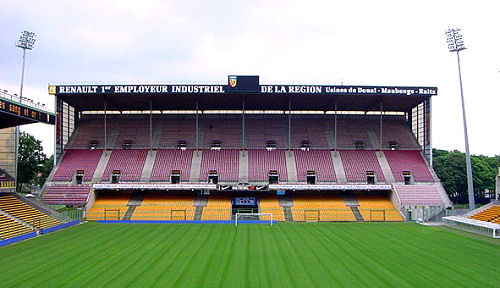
{"x": 218, "y": 208}
{"x": 10, "y": 228}
{"x": 112, "y": 206}
{"x": 491, "y": 214}
{"x": 26, "y": 213}
{"x": 165, "y": 207}
{"x": 322, "y": 207}
{"x": 67, "y": 194}
{"x": 258, "y": 130}
{"x": 355, "y": 163}
{"x": 270, "y": 204}
{"x": 425, "y": 194}
{"x": 377, "y": 208}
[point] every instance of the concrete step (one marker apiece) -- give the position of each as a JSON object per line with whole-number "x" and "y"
{"x": 339, "y": 167}
{"x": 148, "y": 166}
{"x": 384, "y": 165}
{"x": 194, "y": 175}
{"x": 290, "y": 166}
{"x": 129, "y": 212}
{"x": 136, "y": 198}
{"x": 198, "y": 212}
{"x": 288, "y": 213}
{"x": 200, "y": 201}
{"x": 101, "y": 166}
{"x": 349, "y": 199}
{"x": 285, "y": 201}
{"x": 357, "y": 214}
{"x": 243, "y": 166}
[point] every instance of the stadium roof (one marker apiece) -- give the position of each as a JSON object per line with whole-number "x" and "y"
{"x": 13, "y": 114}
{"x": 225, "y": 97}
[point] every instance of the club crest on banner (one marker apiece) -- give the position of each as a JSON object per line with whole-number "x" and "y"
{"x": 232, "y": 81}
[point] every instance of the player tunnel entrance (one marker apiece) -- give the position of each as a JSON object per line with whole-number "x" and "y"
{"x": 245, "y": 205}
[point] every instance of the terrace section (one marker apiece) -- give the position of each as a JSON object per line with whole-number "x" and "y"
{"x": 419, "y": 194}
{"x": 77, "y": 159}
{"x": 26, "y": 213}
{"x": 260, "y": 131}
{"x": 93, "y": 130}
{"x": 165, "y": 207}
{"x": 319, "y": 161}
{"x": 11, "y": 228}
{"x": 260, "y": 162}
{"x": 109, "y": 206}
{"x": 224, "y": 161}
{"x": 321, "y": 207}
{"x": 375, "y": 207}
{"x": 408, "y": 160}
{"x": 67, "y": 194}
{"x": 227, "y": 132}
{"x": 311, "y": 130}
{"x": 130, "y": 162}
{"x": 491, "y": 214}
{"x": 358, "y": 162}
{"x": 135, "y": 131}
{"x": 172, "y": 159}
{"x": 175, "y": 130}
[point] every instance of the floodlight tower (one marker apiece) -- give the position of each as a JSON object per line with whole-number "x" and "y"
{"x": 456, "y": 44}
{"x": 26, "y": 42}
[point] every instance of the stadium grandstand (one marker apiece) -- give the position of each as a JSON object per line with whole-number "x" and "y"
{"x": 206, "y": 152}
{"x": 22, "y": 218}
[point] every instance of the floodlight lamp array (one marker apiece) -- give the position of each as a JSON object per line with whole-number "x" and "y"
{"x": 454, "y": 40}
{"x": 26, "y": 40}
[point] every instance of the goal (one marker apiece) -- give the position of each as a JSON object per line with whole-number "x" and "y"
{"x": 264, "y": 217}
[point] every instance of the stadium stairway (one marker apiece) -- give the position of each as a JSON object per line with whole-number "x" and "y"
{"x": 194, "y": 175}
{"x": 200, "y": 201}
{"x": 148, "y": 166}
{"x": 339, "y": 167}
{"x": 357, "y": 214}
{"x": 328, "y": 132}
{"x": 134, "y": 201}
{"x": 243, "y": 166}
{"x": 157, "y": 133}
{"x": 291, "y": 166}
{"x": 351, "y": 202}
{"x": 101, "y": 166}
{"x": 384, "y": 165}
{"x": 373, "y": 139}
{"x": 113, "y": 136}
{"x": 286, "y": 202}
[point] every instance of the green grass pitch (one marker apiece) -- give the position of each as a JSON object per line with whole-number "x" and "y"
{"x": 284, "y": 255}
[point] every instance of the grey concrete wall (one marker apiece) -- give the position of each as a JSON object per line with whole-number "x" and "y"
{"x": 8, "y": 150}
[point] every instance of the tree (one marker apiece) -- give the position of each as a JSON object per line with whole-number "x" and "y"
{"x": 450, "y": 168}
{"x": 33, "y": 166}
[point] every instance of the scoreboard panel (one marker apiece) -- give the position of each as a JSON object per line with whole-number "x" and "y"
{"x": 19, "y": 110}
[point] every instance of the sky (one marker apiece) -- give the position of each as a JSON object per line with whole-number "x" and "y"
{"x": 393, "y": 43}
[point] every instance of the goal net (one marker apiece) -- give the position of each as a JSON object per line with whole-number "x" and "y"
{"x": 265, "y": 217}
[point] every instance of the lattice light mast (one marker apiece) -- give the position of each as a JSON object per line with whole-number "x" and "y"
{"x": 456, "y": 44}
{"x": 26, "y": 42}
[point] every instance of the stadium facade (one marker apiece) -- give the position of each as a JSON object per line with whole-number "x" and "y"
{"x": 206, "y": 152}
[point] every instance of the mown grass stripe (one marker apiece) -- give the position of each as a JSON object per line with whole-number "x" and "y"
{"x": 285, "y": 255}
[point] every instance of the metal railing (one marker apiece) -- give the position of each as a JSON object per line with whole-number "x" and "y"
{"x": 24, "y": 101}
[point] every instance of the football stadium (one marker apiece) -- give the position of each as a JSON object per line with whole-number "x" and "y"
{"x": 242, "y": 184}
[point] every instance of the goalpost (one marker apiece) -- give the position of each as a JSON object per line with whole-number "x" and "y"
{"x": 252, "y": 215}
